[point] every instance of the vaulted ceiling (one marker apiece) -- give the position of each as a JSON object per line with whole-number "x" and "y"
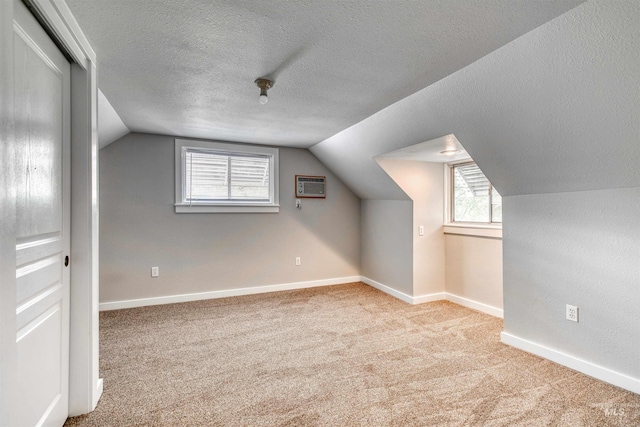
{"x": 554, "y": 111}
{"x": 187, "y": 68}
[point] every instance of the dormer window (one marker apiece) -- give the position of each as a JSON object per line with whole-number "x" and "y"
{"x": 473, "y": 200}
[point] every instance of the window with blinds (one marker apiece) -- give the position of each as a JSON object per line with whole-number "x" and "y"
{"x": 473, "y": 198}
{"x": 213, "y": 176}
{"x": 224, "y": 175}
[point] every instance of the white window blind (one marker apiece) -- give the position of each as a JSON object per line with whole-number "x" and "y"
{"x": 222, "y": 177}
{"x": 474, "y": 199}
{"x": 212, "y": 176}
{"x": 470, "y": 176}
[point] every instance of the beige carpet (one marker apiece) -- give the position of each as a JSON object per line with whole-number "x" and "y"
{"x": 344, "y": 355}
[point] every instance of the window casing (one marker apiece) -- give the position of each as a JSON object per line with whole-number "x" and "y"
{"x": 219, "y": 177}
{"x": 471, "y": 199}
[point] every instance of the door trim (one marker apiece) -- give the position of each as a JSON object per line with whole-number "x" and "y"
{"x": 56, "y": 17}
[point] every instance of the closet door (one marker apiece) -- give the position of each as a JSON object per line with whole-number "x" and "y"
{"x": 42, "y": 118}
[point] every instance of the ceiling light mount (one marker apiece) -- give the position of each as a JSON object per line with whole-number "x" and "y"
{"x": 450, "y": 152}
{"x": 264, "y": 85}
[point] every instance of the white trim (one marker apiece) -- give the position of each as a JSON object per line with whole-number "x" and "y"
{"x": 84, "y": 333}
{"x": 61, "y": 21}
{"x": 420, "y": 299}
{"x": 475, "y": 305}
{"x": 439, "y": 296}
{"x": 169, "y": 299}
{"x": 447, "y": 193}
{"x": 387, "y": 290}
{"x": 490, "y": 231}
{"x": 248, "y": 208}
{"x": 271, "y": 206}
{"x": 98, "y": 393}
{"x": 575, "y": 363}
{"x": 464, "y": 228}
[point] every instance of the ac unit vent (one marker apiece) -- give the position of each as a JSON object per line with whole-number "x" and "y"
{"x": 311, "y": 186}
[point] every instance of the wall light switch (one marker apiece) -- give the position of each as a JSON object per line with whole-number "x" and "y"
{"x": 155, "y": 271}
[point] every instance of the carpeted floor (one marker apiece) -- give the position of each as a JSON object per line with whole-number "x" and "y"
{"x": 345, "y": 355}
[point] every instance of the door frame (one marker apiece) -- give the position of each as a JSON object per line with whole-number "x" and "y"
{"x": 85, "y": 386}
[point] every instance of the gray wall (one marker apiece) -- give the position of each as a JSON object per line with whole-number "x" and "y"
{"x": 554, "y": 111}
{"x": 423, "y": 182}
{"x": 387, "y": 244}
{"x": 583, "y": 249}
{"x": 207, "y": 252}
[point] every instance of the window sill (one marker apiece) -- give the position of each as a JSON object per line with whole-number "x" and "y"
{"x": 227, "y": 208}
{"x": 475, "y": 230}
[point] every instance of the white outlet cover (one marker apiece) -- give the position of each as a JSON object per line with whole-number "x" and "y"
{"x": 572, "y": 313}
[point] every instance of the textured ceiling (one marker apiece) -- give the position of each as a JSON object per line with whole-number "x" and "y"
{"x": 554, "y": 111}
{"x": 187, "y": 67}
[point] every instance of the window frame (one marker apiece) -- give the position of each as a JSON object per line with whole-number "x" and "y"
{"x": 225, "y": 206}
{"x": 483, "y": 229}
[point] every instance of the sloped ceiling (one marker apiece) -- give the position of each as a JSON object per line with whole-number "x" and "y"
{"x": 187, "y": 67}
{"x": 110, "y": 125}
{"x": 556, "y": 110}
{"x": 431, "y": 151}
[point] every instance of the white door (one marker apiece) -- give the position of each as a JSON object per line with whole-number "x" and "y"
{"x": 42, "y": 118}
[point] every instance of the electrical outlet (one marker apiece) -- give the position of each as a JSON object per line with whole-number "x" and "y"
{"x": 155, "y": 271}
{"x": 421, "y": 230}
{"x": 572, "y": 313}
{"x": 298, "y": 261}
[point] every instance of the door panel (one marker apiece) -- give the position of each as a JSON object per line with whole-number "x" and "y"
{"x": 41, "y": 111}
{"x": 40, "y": 382}
{"x": 38, "y": 109}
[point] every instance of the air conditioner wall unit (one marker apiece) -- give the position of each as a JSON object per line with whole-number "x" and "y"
{"x": 308, "y": 186}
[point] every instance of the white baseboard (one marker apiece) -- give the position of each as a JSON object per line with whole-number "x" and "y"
{"x": 475, "y": 305}
{"x": 98, "y": 392}
{"x": 169, "y": 299}
{"x": 421, "y": 299}
{"x": 401, "y": 295}
{"x": 439, "y": 296}
{"x": 387, "y": 290}
{"x": 587, "y": 368}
